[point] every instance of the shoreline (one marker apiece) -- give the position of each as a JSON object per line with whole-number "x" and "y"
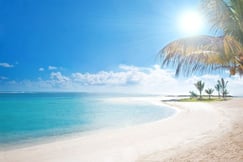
{"x": 226, "y": 145}
{"x": 50, "y": 139}
{"x": 159, "y": 139}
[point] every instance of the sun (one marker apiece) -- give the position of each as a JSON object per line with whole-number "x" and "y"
{"x": 191, "y": 22}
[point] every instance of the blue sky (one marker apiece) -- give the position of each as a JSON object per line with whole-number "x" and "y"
{"x": 44, "y": 40}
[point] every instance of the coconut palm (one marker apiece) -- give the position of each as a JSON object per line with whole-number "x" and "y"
{"x": 209, "y": 92}
{"x": 223, "y": 84}
{"x": 199, "y": 85}
{"x": 208, "y": 53}
{"x": 217, "y": 87}
{"x": 225, "y": 93}
{"x": 192, "y": 94}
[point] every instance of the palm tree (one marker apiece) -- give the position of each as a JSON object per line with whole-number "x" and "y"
{"x": 217, "y": 87}
{"x": 209, "y": 92}
{"x": 225, "y": 93}
{"x": 223, "y": 84}
{"x": 199, "y": 85}
{"x": 192, "y": 94}
{"x": 208, "y": 53}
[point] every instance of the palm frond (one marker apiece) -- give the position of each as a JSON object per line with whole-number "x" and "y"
{"x": 225, "y": 16}
{"x": 207, "y": 53}
{"x": 237, "y": 7}
{"x": 201, "y": 53}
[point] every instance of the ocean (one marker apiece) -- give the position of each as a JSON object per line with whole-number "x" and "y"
{"x": 26, "y": 117}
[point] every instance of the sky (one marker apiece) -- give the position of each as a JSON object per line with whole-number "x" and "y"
{"x": 94, "y": 46}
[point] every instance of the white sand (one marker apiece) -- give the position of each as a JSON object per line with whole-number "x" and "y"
{"x": 195, "y": 124}
{"x": 226, "y": 146}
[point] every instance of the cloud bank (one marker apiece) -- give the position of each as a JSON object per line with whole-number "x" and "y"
{"x": 128, "y": 79}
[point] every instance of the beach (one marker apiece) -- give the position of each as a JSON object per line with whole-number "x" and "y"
{"x": 206, "y": 131}
{"x": 223, "y": 144}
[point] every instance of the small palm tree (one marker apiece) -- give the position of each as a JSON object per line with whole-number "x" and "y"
{"x": 225, "y": 93}
{"x": 192, "y": 94}
{"x": 217, "y": 87}
{"x": 223, "y": 84}
{"x": 209, "y": 92}
{"x": 199, "y": 85}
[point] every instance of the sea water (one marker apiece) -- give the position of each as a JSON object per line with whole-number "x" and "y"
{"x": 29, "y": 116}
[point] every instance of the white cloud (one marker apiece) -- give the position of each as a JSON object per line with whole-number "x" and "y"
{"x": 59, "y": 80}
{"x": 52, "y": 68}
{"x": 6, "y": 65}
{"x": 58, "y": 76}
{"x": 108, "y": 78}
{"x": 128, "y": 79}
{"x": 129, "y": 68}
{"x": 41, "y": 69}
{"x": 235, "y": 86}
{"x": 148, "y": 80}
{"x": 3, "y": 78}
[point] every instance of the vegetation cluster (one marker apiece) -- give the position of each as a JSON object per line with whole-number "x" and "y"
{"x": 220, "y": 87}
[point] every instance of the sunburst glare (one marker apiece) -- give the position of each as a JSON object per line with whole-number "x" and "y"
{"x": 191, "y": 23}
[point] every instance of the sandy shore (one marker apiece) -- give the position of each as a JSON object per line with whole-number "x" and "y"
{"x": 226, "y": 145}
{"x": 199, "y": 131}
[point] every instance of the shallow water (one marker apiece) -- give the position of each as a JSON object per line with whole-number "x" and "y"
{"x": 29, "y": 116}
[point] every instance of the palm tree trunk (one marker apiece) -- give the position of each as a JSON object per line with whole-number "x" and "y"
{"x": 223, "y": 92}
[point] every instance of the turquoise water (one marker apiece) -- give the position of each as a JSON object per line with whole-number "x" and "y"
{"x": 29, "y": 116}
